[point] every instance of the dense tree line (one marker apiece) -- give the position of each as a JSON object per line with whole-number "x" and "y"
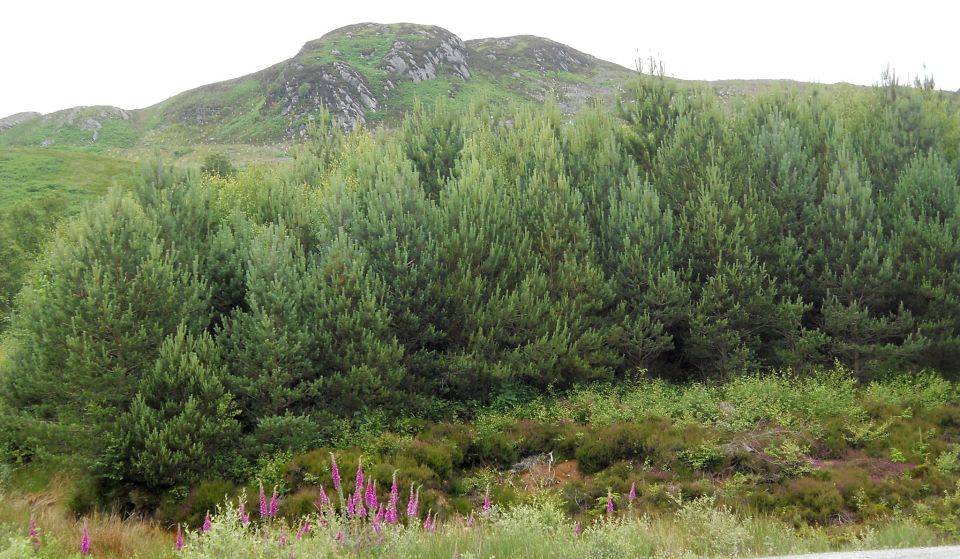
{"x": 196, "y": 323}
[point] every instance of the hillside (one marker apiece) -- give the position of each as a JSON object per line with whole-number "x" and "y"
{"x": 368, "y": 73}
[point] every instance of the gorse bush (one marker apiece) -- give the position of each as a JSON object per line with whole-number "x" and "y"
{"x": 186, "y": 329}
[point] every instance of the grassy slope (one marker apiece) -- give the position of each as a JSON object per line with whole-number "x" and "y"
{"x": 78, "y": 176}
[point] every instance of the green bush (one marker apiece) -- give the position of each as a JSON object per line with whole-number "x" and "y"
{"x": 630, "y": 441}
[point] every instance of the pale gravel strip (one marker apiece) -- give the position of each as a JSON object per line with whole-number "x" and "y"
{"x": 948, "y": 552}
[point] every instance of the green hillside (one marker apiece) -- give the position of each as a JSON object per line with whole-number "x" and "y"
{"x": 38, "y": 188}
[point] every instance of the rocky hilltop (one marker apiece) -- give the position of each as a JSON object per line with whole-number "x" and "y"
{"x": 367, "y": 73}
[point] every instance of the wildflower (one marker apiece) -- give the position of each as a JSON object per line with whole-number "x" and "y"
{"x": 578, "y": 528}
{"x": 486, "y": 500}
{"x": 304, "y": 530}
{"x": 456, "y": 551}
{"x": 243, "y": 514}
{"x": 371, "y": 496}
{"x": 351, "y": 507}
{"x": 264, "y": 510}
{"x": 609, "y": 501}
{"x": 633, "y": 492}
{"x": 359, "y": 487}
{"x": 391, "y": 515}
{"x": 414, "y": 503}
{"x": 471, "y": 521}
{"x": 339, "y": 535}
{"x": 206, "y": 523}
{"x": 85, "y": 541}
{"x": 178, "y": 543}
{"x": 377, "y": 519}
{"x": 34, "y": 535}
{"x": 274, "y": 502}
{"x": 428, "y": 523}
{"x": 334, "y": 472}
{"x": 322, "y": 499}
{"x": 282, "y": 540}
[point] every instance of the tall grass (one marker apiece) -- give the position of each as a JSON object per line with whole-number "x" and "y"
{"x": 699, "y": 528}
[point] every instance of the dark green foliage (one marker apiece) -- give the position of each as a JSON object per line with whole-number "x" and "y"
{"x": 490, "y": 255}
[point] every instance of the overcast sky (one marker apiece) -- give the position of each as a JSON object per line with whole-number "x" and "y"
{"x": 59, "y": 54}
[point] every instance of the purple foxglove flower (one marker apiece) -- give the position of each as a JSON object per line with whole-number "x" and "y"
{"x": 412, "y": 502}
{"x": 338, "y": 536}
{"x": 486, "y": 500}
{"x": 304, "y": 530}
{"x": 34, "y": 535}
{"x": 578, "y": 528}
{"x": 633, "y": 492}
{"x": 351, "y": 507}
{"x": 609, "y": 502}
{"x": 376, "y": 524}
{"x": 359, "y": 487}
{"x": 274, "y": 502}
{"x": 178, "y": 543}
{"x": 428, "y": 523}
{"x": 264, "y": 509}
{"x": 85, "y": 541}
{"x": 206, "y": 523}
{"x": 471, "y": 521}
{"x": 334, "y": 472}
{"x": 322, "y": 499}
{"x": 282, "y": 540}
{"x": 243, "y": 514}
{"x": 371, "y": 496}
{"x": 456, "y": 551}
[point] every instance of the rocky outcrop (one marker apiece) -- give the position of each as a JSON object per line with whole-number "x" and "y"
{"x": 16, "y": 119}
{"x": 300, "y": 92}
{"x": 424, "y": 61}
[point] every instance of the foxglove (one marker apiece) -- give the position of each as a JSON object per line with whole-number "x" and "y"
{"x": 264, "y": 509}
{"x": 371, "y": 496}
{"x": 609, "y": 501}
{"x": 359, "y": 486}
{"x": 486, "y": 500}
{"x": 34, "y": 535}
{"x": 633, "y": 492}
{"x": 304, "y": 530}
{"x": 578, "y": 528}
{"x": 413, "y": 503}
{"x": 322, "y": 499}
{"x": 274, "y": 502}
{"x": 85, "y": 541}
{"x": 178, "y": 543}
{"x": 206, "y": 523}
{"x": 334, "y": 472}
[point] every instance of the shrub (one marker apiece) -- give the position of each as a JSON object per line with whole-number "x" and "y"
{"x": 619, "y": 441}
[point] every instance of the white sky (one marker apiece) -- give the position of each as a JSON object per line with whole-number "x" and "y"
{"x": 56, "y": 54}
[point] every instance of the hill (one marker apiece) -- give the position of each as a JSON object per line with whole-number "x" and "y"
{"x": 367, "y": 73}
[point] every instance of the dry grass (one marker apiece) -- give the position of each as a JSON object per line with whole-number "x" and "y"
{"x": 112, "y": 536}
